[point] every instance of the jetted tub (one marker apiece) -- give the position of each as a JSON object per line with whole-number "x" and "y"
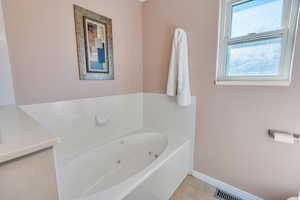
{"x": 116, "y": 169}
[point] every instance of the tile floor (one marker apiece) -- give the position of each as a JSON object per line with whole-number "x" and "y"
{"x": 194, "y": 189}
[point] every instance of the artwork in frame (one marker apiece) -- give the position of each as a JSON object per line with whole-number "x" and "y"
{"x": 94, "y": 45}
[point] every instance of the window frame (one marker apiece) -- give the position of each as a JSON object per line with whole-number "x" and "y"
{"x": 287, "y": 33}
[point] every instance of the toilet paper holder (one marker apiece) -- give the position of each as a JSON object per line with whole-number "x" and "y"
{"x": 272, "y": 133}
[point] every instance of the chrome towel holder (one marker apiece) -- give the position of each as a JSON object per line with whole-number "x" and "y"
{"x": 272, "y": 133}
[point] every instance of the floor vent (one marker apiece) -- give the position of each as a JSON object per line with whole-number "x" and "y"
{"x": 221, "y": 195}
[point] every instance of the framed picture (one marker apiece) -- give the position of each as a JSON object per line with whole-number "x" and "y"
{"x": 94, "y": 45}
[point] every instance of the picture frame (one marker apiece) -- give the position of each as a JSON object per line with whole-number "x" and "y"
{"x": 94, "y": 45}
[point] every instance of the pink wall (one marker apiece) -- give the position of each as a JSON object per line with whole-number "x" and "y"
{"x": 232, "y": 144}
{"x": 42, "y": 46}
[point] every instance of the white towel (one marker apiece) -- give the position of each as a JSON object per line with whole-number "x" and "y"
{"x": 179, "y": 81}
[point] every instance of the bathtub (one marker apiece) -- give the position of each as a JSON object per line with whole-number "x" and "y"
{"x": 139, "y": 166}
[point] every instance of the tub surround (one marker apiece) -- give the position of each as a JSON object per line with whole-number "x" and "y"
{"x": 74, "y": 122}
{"x": 21, "y": 135}
{"x": 162, "y": 114}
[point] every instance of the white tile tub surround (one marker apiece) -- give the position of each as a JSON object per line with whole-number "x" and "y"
{"x": 162, "y": 114}
{"x": 83, "y": 127}
{"x": 74, "y": 121}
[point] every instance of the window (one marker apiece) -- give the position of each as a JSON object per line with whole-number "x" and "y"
{"x": 256, "y": 41}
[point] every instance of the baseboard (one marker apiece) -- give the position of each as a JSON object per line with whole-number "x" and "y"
{"x": 224, "y": 186}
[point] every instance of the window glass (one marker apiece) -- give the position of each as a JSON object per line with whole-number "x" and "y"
{"x": 254, "y": 58}
{"x": 256, "y": 16}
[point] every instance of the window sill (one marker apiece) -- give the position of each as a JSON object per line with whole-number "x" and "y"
{"x": 254, "y": 83}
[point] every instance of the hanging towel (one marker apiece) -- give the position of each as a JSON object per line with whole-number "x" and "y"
{"x": 179, "y": 81}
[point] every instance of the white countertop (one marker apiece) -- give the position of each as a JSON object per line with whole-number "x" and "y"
{"x": 20, "y": 134}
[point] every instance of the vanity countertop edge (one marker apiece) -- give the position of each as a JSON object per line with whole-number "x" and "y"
{"x": 21, "y": 135}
